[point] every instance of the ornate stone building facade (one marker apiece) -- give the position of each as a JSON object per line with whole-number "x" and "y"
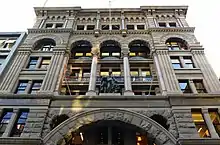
{"x": 54, "y": 92}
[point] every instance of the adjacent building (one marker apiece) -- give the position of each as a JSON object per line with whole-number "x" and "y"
{"x": 129, "y": 76}
{"x": 9, "y": 42}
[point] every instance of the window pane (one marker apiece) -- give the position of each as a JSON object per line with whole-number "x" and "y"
{"x": 88, "y": 54}
{"x": 105, "y": 54}
{"x": 188, "y": 65}
{"x": 132, "y": 54}
{"x": 134, "y": 73}
{"x": 78, "y": 54}
{"x": 176, "y": 66}
{"x": 104, "y": 73}
{"x": 175, "y": 60}
{"x": 187, "y": 60}
{"x": 115, "y": 54}
{"x": 116, "y": 73}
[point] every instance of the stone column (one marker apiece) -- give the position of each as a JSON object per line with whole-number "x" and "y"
{"x": 127, "y": 75}
{"x": 8, "y": 82}
{"x": 93, "y": 73}
{"x": 209, "y": 124}
{"x": 210, "y": 79}
{"x": 192, "y": 86}
{"x": 11, "y": 123}
{"x": 163, "y": 65}
{"x": 51, "y": 77}
{"x": 122, "y": 21}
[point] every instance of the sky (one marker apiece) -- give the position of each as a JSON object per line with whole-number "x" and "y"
{"x": 18, "y": 15}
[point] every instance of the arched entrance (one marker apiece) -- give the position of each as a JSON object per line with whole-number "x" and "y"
{"x": 149, "y": 130}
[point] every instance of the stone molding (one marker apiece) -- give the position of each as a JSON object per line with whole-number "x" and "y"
{"x": 44, "y": 30}
{"x": 162, "y": 136}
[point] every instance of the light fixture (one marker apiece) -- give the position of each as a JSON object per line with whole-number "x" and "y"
{"x": 139, "y": 138}
{"x": 200, "y": 129}
{"x": 81, "y": 135}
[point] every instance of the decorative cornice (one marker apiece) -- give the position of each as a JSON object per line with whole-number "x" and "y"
{"x": 176, "y": 29}
{"x": 62, "y": 30}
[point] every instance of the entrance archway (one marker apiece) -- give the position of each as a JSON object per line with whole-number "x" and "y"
{"x": 151, "y": 127}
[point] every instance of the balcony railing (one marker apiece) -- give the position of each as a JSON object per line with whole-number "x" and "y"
{"x": 141, "y": 78}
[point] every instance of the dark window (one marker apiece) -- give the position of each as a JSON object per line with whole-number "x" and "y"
{"x": 214, "y": 115}
{"x": 20, "y": 123}
{"x": 45, "y": 62}
{"x": 90, "y": 27}
{"x": 32, "y": 63}
{"x": 199, "y": 86}
{"x": 184, "y": 86}
{"x": 59, "y": 25}
{"x": 6, "y": 116}
{"x": 49, "y": 25}
{"x": 22, "y": 85}
{"x": 172, "y": 24}
{"x": 130, "y": 27}
{"x": 115, "y": 27}
{"x": 175, "y": 62}
{"x": 140, "y": 27}
{"x": 200, "y": 123}
{"x": 188, "y": 62}
{"x": 47, "y": 47}
{"x": 35, "y": 86}
{"x": 161, "y": 24}
{"x": 105, "y": 27}
{"x": 80, "y": 27}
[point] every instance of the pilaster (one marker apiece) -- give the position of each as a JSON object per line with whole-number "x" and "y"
{"x": 51, "y": 77}
{"x": 210, "y": 78}
{"x": 8, "y": 81}
{"x": 163, "y": 64}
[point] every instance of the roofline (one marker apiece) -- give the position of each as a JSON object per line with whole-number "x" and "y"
{"x": 78, "y": 8}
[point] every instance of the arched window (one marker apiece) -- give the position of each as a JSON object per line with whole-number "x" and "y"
{"x": 176, "y": 44}
{"x": 110, "y": 48}
{"x": 46, "y": 44}
{"x": 81, "y": 49}
{"x": 161, "y": 120}
{"x": 139, "y": 48}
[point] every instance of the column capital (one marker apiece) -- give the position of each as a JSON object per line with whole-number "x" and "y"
{"x": 205, "y": 110}
{"x": 95, "y": 51}
{"x": 125, "y": 53}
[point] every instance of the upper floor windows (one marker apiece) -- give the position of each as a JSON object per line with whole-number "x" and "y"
{"x": 38, "y": 62}
{"x": 80, "y": 27}
{"x": 28, "y": 87}
{"x": 182, "y": 62}
{"x": 20, "y": 123}
{"x": 105, "y": 27}
{"x": 90, "y": 27}
{"x": 5, "y": 118}
{"x": 81, "y": 49}
{"x": 166, "y": 24}
{"x": 176, "y": 44}
{"x": 139, "y": 48}
{"x": 130, "y": 27}
{"x": 110, "y": 48}
{"x": 45, "y": 44}
{"x": 194, "y": 86}
{"x": 53, "y": 25}
{"x": 7, "y": 44}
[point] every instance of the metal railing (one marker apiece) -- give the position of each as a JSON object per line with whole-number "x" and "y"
{"x": 141, "y": 78}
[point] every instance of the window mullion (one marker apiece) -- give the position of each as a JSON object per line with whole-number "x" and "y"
{"x": 182, "y": 61}
{"x": 192, "y": 86}
{"x": 39, "y": 62}
{"x": 28, "y": 88}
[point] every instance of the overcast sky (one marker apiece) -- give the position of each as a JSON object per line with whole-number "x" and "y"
{"x": 18, "y": 15}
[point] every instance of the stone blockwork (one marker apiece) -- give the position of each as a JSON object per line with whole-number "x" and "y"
{"x": 185, "y": 125}
{"x": 166, "y": 113}
{"x": 35, "y": 122}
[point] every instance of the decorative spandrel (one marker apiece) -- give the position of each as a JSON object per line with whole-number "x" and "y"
{"x": 109, "y": 85}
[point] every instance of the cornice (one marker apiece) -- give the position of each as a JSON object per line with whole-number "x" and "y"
{"x": 62, "y": 30}
{"x": 176, "y": 29}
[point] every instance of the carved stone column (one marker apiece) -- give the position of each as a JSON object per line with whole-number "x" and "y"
{"x": 8, "y": 82}
{"x": 127, "y": 75}
{"x": 51, "y": 77}
{"x": 166, "y": 73}
{"x": 93, "y": 73}
{"x": 97, "y": 26}
{"x": 209, "y": 124}
{"x": 211, "y": 81}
